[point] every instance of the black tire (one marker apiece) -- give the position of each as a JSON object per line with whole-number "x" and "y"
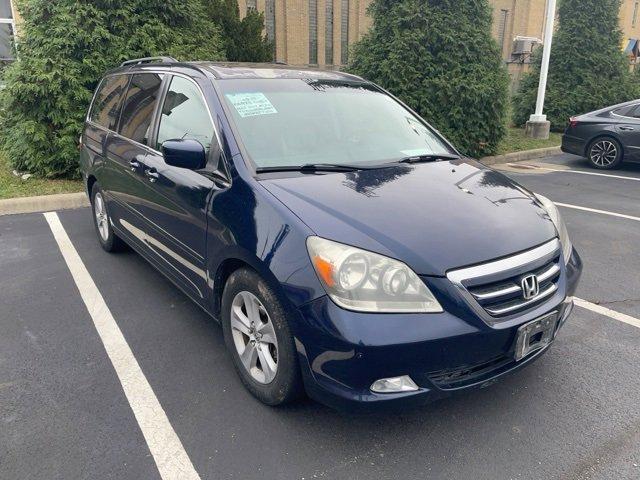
{"x": 286, "y": 385}
{"x": 109, "y": 241}
{"x": 605, "y": 153}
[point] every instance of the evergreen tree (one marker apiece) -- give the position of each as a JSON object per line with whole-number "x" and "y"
{"x": 244, "y": 41}
{"x": 65, "y": 46}
{"x": 438, "y": 56}
{"x": 587, "y": 69}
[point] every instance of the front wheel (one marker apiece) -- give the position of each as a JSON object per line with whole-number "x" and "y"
{"x": 605, "y": 153}
{"x": 259, "y": 340}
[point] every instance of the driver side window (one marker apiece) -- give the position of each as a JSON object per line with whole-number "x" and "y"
{"x": 185, "y": 115}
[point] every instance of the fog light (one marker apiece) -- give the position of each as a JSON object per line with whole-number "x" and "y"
{"x": 394, "y": 385}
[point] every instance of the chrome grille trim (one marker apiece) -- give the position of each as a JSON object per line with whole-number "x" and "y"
{"x": 491, "y": 294}
{"x": 493, "y": 290}
{"x": 522, "y": 305}
{"x": 509, "y": 288}
{"x": 549, "y": 274}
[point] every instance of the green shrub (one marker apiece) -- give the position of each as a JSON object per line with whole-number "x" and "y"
{"x": 587, "y": 69}
{"x": 244, "y": 41}
{"x": 65, "y": 47}
{"x": 438, "y": 56}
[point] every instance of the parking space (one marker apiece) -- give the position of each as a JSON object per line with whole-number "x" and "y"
{"x": 64, "y": 413}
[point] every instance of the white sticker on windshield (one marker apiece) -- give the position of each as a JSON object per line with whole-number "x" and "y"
{"x": 251, "y": 104}
{"x": 416, "y": 152}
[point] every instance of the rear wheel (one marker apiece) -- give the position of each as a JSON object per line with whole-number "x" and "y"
{"x": 605, "y": 153}
{"x": 109, "y": 241}
{"x": 259, "y": 340}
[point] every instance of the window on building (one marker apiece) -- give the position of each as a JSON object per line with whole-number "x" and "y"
{"x": 344, "y": 32}
{"x": 106, "y": 106}
{"x": 313, "y": 32}
{"x": 270, "y": 20}
{"x": 185, "y": 114}
{"x": 635, "y": 14}
{"x": 502, "y": 28}
{"x": 252, "y": 6}
{"x": 7, "y": 31}
{"x": 139, "y": 105}
{"x": 328, "y": 45}
{"x": 5, "y": 9}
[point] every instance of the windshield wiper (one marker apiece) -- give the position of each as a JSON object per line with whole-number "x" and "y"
{"x": 429, "y": 158}
{"x": 314, "y": 167}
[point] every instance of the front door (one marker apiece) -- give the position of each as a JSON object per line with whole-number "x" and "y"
{"x": 176, "y": 199}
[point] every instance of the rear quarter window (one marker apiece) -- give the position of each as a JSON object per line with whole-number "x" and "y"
{"x": 106, "y": 106}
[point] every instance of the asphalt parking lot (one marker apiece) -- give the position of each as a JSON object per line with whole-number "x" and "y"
{"x": 574, "y": 414}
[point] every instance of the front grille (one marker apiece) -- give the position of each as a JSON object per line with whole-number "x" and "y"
{"x": 464, "y": 376}
{"x": 494, "y": 289}
{"x": 506, "y": 297}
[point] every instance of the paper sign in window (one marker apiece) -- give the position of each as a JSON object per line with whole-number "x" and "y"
{"x": 251, "y": 104}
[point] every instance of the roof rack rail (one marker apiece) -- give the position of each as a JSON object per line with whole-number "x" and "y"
{"x": 138, "y": 61}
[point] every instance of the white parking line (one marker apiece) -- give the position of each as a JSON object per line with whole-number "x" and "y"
{"x": 165, "y": 446}
{"x": 595, "y": 210}
{"x": 622, "y": 317}
{"x": 581, "y": 172}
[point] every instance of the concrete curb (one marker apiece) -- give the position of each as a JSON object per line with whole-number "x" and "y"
{"x": 45, "y": 203}
{"x": 521, "y": 156}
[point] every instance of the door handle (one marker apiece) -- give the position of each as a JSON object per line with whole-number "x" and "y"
{"x": 152, "y": 174}
{"x": 626, "y": 128}
{"x": 135, "y": 165}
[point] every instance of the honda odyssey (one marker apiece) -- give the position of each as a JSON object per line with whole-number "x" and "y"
{"x": 346, "y": 247}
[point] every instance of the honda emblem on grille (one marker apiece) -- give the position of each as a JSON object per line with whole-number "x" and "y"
{"x": 530, "y": 287}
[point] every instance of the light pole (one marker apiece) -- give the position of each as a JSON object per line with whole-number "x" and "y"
{"x": 538, "y": 126}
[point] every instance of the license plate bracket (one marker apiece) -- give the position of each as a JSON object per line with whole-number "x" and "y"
{"x": 535, "y": 335}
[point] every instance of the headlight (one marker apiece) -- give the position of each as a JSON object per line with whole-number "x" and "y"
{"x": 556, "y": 218}
{"x": 367, "y": 282}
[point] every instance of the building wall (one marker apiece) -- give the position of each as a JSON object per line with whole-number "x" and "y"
{"x": 517, "y": 18}
{"x": 523, "y": 18}
{"x": 292, "y": 28}
{"x": 630, "y": 20}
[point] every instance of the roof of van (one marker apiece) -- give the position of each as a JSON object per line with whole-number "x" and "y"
{"x": 232, "y": 70}
{"x": 273, "y": 70}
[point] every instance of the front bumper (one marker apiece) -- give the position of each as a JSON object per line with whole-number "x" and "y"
{"x": 342, "y": 353}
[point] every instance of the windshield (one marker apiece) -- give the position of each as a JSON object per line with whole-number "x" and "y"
{"x": 285, "y": 123}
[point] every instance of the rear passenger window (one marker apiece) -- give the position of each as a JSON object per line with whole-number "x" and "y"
{"x": 627, "y": 111}
{"x": 106, "y": 106}
{"x": 634, "y": 112}
{"x": 185, "y": 114}
{"x": 139, "y": 105}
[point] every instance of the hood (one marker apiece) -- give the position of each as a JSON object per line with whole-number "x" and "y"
{"x": 432, "y": 216}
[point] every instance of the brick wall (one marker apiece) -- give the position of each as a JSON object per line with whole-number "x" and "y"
{"x": 630, "y": 20}
{"x": 292, "y": 28}
{"x": 523, "y": 17}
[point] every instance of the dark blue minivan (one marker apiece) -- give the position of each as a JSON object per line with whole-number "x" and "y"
{"x": 346, "y": 247}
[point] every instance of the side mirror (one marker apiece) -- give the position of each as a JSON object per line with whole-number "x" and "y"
{"x": 185, "y": 153}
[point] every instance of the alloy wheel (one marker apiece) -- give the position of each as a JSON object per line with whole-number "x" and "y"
{"x": 254, "y": 337}
{"x": 102, "y": 218}
{"x": 604, "y": 153}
